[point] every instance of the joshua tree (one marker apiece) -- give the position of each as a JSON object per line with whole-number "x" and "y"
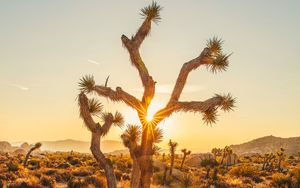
{"x": 89, "y": 108}
{"x": 36, "y": 146}
{"x": 268, "y": 157}
{"x": 172, "y": 147}
{"x": 185, "y": 153}
{"x": 226, "y": 151}
{"x": 208, "y": 164}
{"x": 131, "y": 138}
{"x": 280, "y": 155}
{"x": 216, "y": 152}
{"x": 211, "y": 57}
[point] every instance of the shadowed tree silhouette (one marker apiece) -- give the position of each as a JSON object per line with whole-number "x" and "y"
{"x": 185, "y": 153}
{"x": 172, "y": 148}
{"x": 211, "y": 57}
{"x": 89, "y": 108}
{"x": 36, "y": 146}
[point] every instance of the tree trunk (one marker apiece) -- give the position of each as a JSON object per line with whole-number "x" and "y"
{"x": 207, "y": 173}
{"x": 27, "y": 157}
{"x": 182, "y": 161}
{"x": 136, "y": 173}
{"x": 172, "y": 164}
{"x": 100, "y": 158}
{"x": 145, "y": 158}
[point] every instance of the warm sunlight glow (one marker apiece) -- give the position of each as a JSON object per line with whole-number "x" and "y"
{"x": 152, "y": 109}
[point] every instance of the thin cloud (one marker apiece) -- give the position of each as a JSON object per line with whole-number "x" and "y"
{"x": 168, "y": 88}
{"x": 93, "y": 62}
{"x": 20, "y": 87}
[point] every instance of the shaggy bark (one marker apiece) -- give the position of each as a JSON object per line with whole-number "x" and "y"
{"x": 100, "y": 158}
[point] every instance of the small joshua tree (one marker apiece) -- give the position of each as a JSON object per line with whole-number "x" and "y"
{"x": 211, "y": 57}
{"x": 185, "y": 153}
{"x": 89, "y": 108}
{"x": 36, "y": 146}
{"x": 267, "y": 158}
{"x": 208, "y": 164}
{"x": 280, "y": 157}
{"x": 172, "y": 148}
{"x": 216, "y": 152}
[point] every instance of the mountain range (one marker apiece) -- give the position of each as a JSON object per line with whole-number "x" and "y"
{"x": 268, "y": 144}
{"x": 261, "y": 145}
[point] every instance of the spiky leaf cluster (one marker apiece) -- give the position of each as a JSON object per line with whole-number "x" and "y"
{"x": 172, "y": 147}
{"x": 132, "y": 135}
{"x": 210, "y": 116}
{"x": 220, "y": 60}
{"x": 157, "y": 135}
{"x": 118, "y": 119}
{"x": 86, "y": 84}
{"x": 95, "y": 107}
{"x": 152, "y": 12}
{"x": 38, "y": 145}
{"x": 227, "y": 102}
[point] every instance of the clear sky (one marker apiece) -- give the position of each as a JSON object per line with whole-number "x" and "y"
{"x": 46, "y": 46}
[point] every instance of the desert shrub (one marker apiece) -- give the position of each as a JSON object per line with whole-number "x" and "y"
{"x": 158, "y": 178}
{"x": 118, "y": 174}
{"x": 81, "y": 172}
{"x": 281, "y": 180}
{"x": 13, "y": 166}
{"x": 33, "y": 164}
{"x": 2, "y": 183}
{"x": 63, "y": 176}
{"x": 295, "y": 175}
{"x": 64, "y": 164}
{"x": 186, "y": 180}
{"x": 99, "y": 182}
{"x": 76, "y": 182}
{"x": 30, "y": 182}
{"x": 73, "y": 160}
{"x": 126, "y": 177}
{"x": 47, "y": 181}
{"x": 244, "y": 171}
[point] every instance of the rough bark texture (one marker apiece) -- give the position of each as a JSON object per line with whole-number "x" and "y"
{"x": 100, "y": 158}
{"x": 97, "y": 133}
{"x": 182, "y": 162}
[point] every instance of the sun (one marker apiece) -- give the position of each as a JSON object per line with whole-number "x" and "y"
{"x": 152, "y": 109}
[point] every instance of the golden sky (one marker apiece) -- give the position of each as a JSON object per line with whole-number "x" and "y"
{"x": 47, "y": 46}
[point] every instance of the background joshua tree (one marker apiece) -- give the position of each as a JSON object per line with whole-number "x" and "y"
{"x": 216, "y": 152}
{"x": 208, "y": 164}
{"x": 185, "y": 153}
{"x": 172, "y": 148}
{"x": 280, "y": 155}
{"x": 211, "y": 57}
{"x": 131, "y": 138}
{"x": 36, "y": 146}
{"x": 89, "y": 108}
{"x": 267, "y": 159}
{"x": 226, "y": 151}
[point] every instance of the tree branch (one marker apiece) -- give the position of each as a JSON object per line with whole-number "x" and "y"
{"x": 133, "y": 48}
{"x": 203, "y": 58}
{"x": 85, "y": 113}
{"x": 119, "y": 95}
{"x": 192, "y": 106}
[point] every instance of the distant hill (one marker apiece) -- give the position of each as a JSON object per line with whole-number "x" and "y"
{"x": 107, "y": 146}
{"x": 268, "y": 144}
